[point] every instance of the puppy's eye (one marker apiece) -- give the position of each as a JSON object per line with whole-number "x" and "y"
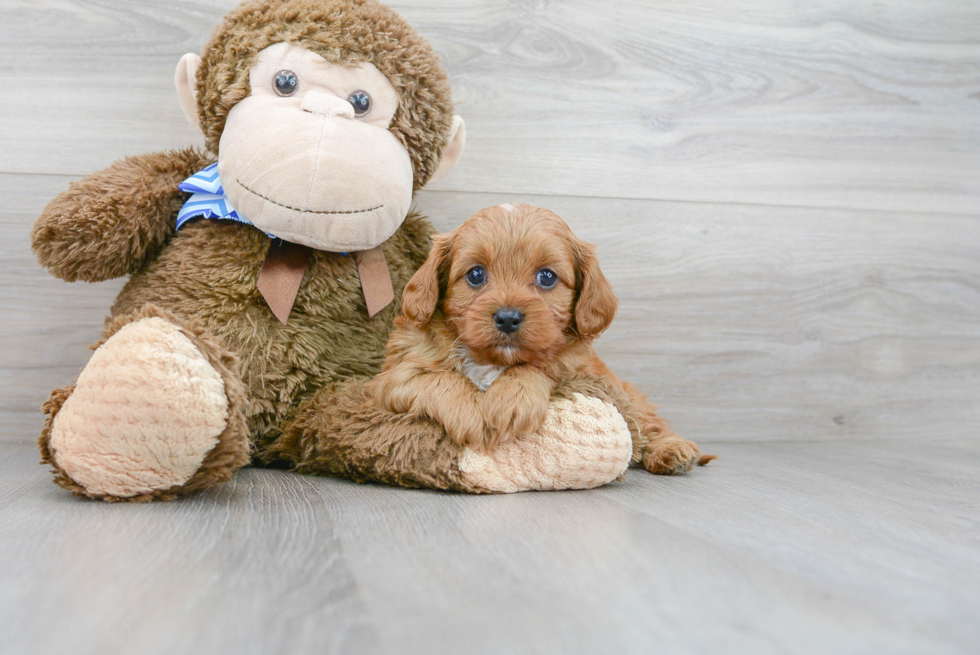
{"x": 360, "y": 101}
{"x": 285, "y": 83}
{"x": 547, "y": 278}
{"x": 476, "y": 276}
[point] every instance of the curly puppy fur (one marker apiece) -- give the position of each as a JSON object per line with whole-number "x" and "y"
{"x": 452, "y": 359}
{"x": 342, "y": 32}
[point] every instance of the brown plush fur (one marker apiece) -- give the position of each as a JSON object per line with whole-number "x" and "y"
{"x": 209, "y": 270}
{"x": 447, "y": 321}
{"x": 113, "y": 222}
{"x": 206, "y": 275}
{"x": 342, "y": 32}
{"x": 120, "y": 221}
{"x": 232, "y": 449}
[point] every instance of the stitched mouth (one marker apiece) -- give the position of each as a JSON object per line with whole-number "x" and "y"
{"x": 304, "y": 211}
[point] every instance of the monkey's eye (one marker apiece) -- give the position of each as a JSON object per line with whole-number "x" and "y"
{"x": 360, "y": 101}
{"x": 476, "y": 276}
{"x": 285, "y": 83}
{"x": 547, "y": 278}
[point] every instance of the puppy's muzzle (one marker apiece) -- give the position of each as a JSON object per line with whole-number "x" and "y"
{"x": 508, "y": 319}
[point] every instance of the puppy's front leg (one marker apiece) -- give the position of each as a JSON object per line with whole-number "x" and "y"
{"x": 517, "y": 402}
{"x": 444, "y": 396}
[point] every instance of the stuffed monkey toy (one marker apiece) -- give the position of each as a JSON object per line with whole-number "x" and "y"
{"x": 265, "y": 273}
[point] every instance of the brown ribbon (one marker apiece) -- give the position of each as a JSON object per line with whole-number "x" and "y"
{"x": 286, "y": 263}
{"x": 282, "y": 274}
{"x": 375, "y": 279}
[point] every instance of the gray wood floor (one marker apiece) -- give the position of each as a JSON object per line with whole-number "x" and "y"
{"x": 786, "y": 198}
{"x": 791, "y": 547}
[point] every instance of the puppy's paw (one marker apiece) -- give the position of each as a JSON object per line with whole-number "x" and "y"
{"x": 510, "y": 413}
{"x": 672, "y": 456}
{"x": 469, "y": 430}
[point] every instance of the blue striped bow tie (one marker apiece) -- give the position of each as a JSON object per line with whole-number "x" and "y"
{"x": 283, "y": 260}
{"x": 208, "y": 199}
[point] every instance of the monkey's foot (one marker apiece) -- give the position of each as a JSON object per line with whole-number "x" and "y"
{"x": 672, "y": 456}
{"x": 584, "y": 443}
{"x": 155, "y": 413}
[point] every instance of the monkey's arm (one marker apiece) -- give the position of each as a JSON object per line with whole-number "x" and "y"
{"x": 110, "y": 223}
{"x": 343, "y": 432}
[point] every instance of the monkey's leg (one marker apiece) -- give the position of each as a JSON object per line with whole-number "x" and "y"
{"x": 584, "y": 443}
{"x": 156, "y": 413}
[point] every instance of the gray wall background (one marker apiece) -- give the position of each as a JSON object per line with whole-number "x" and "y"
{"x": 786, "y": 195}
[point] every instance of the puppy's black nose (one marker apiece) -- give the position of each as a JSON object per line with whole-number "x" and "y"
{"x": 508, "y": 319}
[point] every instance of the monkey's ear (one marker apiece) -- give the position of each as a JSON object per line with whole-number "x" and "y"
{"x": 421, "y": 296}
{"x": 595, "y": 305}
{"x": 186, "y": 80}
{"x": 452, "y": 153}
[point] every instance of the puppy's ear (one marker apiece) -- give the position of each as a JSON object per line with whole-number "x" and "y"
{"x": 422, "y": 292}
{"x": 595, "y": 302}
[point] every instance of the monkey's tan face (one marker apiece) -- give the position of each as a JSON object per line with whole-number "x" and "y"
{"x": 308, "y": 157}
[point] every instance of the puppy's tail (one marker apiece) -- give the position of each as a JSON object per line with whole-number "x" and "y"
{"x": 705, "y": 459}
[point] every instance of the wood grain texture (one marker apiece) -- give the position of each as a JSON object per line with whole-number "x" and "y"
{"x": 785, "y": 198}
{"x": 830, "y": 103}
{"x": 837, "y": 323}
{"x": 748, "y": 322}
{"x": 774, "y": 548}
{"x": 743, "y": 322}
{"x": 46, "y": 324}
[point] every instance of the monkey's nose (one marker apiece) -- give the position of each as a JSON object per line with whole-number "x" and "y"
{"x": 326, "y": 104}
{"x": 508, "y": 319}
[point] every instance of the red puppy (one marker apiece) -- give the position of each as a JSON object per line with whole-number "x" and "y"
{"x": 506, "y": 306}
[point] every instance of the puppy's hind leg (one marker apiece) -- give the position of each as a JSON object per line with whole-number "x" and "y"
{"x": 659, "y": 448}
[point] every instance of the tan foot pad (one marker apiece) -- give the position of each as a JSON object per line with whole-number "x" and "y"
{"x": 584, "y": 443}
{"x": 144, "y": 413}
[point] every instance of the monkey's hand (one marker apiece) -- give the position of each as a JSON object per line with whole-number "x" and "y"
{"x": 585, "y": 442}
{"x": 516, "y": 403}
{"x": 110, "y": 223}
